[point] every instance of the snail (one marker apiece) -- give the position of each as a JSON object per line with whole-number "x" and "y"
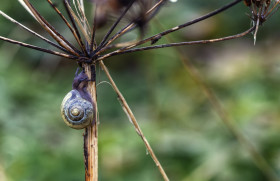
{"x": 77, "y": 108}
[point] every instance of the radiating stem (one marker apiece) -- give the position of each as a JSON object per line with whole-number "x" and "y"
{"x": 123, "y": 51}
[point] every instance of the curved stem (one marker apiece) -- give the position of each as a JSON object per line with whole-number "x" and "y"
{"x": 121, "y": 51}
{"x": 153, "y": 39}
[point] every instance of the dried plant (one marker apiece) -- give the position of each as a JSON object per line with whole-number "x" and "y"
{"x": 89, "y": 53}
{"x": 261, "y": 10}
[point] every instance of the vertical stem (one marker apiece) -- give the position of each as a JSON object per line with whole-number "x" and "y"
{"x": 91, "y": 132}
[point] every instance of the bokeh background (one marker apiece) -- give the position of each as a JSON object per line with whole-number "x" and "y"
{"x": 177, "y": 118}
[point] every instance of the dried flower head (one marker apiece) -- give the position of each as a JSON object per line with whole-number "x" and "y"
{"x": 136, "y": 13}
{"x": 261, "y": 10}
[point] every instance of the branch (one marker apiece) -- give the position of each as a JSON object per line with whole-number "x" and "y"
{"x": 121, "y": 51}
{"x": 115, "y": 25}
{"x": 50, "y": 29}
{"x": 93, "y": 33}
{"x": 74, "y": 31}
{"x": 153, "y": 39}
{"x": 31, "y": 31}
{"x": 38, "y": 48}
{"x": 132, "y": 25}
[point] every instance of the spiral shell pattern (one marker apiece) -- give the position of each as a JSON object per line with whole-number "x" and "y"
{"x": 76, "y": 112}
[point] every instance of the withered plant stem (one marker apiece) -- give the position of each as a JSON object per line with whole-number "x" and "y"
{"x": 133, "y": 120}
{"x": 91, "y": 132}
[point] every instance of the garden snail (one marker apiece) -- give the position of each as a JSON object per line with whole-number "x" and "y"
{"x": 77, "y": 108}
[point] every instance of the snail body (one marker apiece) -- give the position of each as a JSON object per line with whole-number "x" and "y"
{"x": 77, "y": 109}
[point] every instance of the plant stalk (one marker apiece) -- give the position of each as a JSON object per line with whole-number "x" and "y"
{"x": 91, "y": 132}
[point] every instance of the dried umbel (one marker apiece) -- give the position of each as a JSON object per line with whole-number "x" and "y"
{"x": 89, "y": 51}
{"x": 262, "y": 9}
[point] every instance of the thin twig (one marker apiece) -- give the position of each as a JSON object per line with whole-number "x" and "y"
{"x": 117, "y": 35}
{"x": 74, "y": 31}
{"x": 37, "y": 48}
{"x": 72, "y": 14}
{"x": 31, "y": 31}
{"x": 131, "y": 25}
{"x": 155, "y": 6}
{"x": 81, "y": 13}
{"x": 156, "y": 37}
{"x": 120, "y": 45}
{"x": 93, "y": 32}
{"x": 115, "y": 25}
{"x": 121, "y": 51}
{"x": 134, "y": 121}
{"x": 50, "y": 29}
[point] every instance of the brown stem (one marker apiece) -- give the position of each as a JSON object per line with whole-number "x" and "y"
{"x": 133, "y": 120}
{"x": 38, "y": 48}
{"x": 123, "y": 50}
{"x": 153, "y": 39}
{"x": 91, "y": 132}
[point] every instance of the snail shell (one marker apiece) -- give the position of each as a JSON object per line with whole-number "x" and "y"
{"x": 76, "y": 112}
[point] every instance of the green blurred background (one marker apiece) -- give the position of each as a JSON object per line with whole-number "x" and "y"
{"x": 183, "y": 128}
